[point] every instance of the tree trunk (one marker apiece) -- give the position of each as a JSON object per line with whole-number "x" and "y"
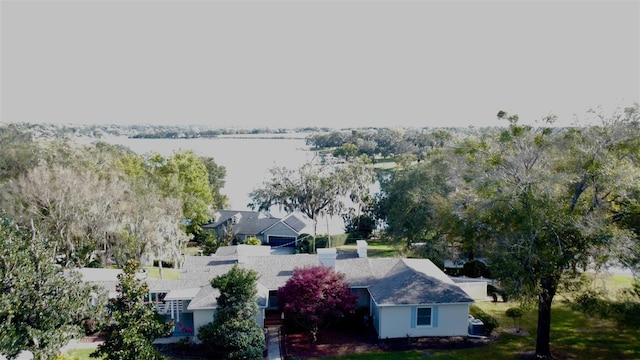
{"x": 545, "y": 298}
{"x": 314, "y": 333}
{"x": 315, "y": 234}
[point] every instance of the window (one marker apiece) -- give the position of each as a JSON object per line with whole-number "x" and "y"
{"x": 423, "y": 317}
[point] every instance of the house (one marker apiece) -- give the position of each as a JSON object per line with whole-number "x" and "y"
{"x": 403, "y": 297}
{"x": 272, "y": 231}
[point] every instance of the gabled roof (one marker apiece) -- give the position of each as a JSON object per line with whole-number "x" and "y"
{"x": 254, "y": 222}
{"x": 274, "y": 271}
{"x": 391, "y": 281}
{"x": 416, "y": 281}
{"x": 247, "y": 222}
{"x": 295, "y": 223}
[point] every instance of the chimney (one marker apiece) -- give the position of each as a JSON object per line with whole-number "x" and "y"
{"x": 247, "y": 251}
{"x": 362, "y": 248}
{"x": 327, "y": 257}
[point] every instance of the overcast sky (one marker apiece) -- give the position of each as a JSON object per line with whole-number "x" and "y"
{"x": 315, "y": 63}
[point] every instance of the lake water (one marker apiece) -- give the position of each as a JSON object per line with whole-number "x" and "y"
{"x": 247, "y": 161}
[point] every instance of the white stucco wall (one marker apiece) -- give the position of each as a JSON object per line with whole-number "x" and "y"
{"x": 375, "y": 316}
{"x": 396, "y": 321}
{"x": 475, "y": 290}
{"x": 200, "y": 318}
{"x": 260, "y": 317}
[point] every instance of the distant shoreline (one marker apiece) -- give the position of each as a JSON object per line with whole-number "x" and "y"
{"x": 286, "y": 136}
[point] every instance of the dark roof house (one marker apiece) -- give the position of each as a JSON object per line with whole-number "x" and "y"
{"x": 273, "y": 231}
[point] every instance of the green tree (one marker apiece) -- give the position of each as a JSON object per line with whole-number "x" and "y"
{"x": 544, "y": 196}
{"x": 81, "y": 212}
{"x": 409, "y": 204}
{"x": 314, "y": 190}
{"x": 18, "y": 152}
{"x": 216, "y": 174}
{"x": 41, "y": 305}
{"x": 234, "y": 332}
{"x": 315, "y": 296}
{"x": 405, "y": 160}
{"x": 347, "y": 151}
{"x": 94, "y": 202}
{"x": 133, "y": 324}
{"x": 359, "y": 227}
{"x": 209, "y": 242}
{"x": 183, "y": 175}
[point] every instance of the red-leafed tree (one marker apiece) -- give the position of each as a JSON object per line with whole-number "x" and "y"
{"x": 315, "y": 296}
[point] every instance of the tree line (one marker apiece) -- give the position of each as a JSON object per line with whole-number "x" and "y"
{"x": 383, "y": 142}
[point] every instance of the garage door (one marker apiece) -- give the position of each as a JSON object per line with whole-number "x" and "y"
{"x": 282, "y": 241}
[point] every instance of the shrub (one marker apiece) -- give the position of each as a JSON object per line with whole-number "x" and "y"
{"x": 304, "y": 244}
{"x": 494, "y": 292}
{"x": 185, "y": 344}
{"x": 165, "y": 263}
{"x": 476, "y": 268}
{"x": 490, "y": 323}
{"x": 315, "y": 296}
{"x": 624, "y": 310}
{"x": 252, "y": 240}
{"x": 514, "y": 313}
{"x": 90, "y": 326}
{"x": 454, "y": 271}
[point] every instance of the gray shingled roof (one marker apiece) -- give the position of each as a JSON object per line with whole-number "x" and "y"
{"x": 249, "y": 223}
{"x": 205, "y": 299}
{"x": 405, "y": 285}
{"x": 254, "y": 222}
{"x": 227, "y": 251}
{"x": 295, "y": 223}
{"x": 274, "y": 271}
{"x": 391, "y": 281}
{"x": 358, "y": 272}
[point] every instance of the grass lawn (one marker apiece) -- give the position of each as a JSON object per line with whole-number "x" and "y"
{"x": 153, "y": 272}
{"x": 79, "y": 354}
{"x": 192, "y": 250}
{"x": 374, "y": 249}
{"x": 611, "y": 282}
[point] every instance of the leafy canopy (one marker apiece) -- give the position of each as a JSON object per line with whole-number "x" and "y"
{"x": 234, "y": 332}
{"x": 314, "y": 189}
{"x": 545, "y": 197}
{"x": 41, "y": 304}
{"x": 134, "y": 323}
{"x": 314, "y": 296}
